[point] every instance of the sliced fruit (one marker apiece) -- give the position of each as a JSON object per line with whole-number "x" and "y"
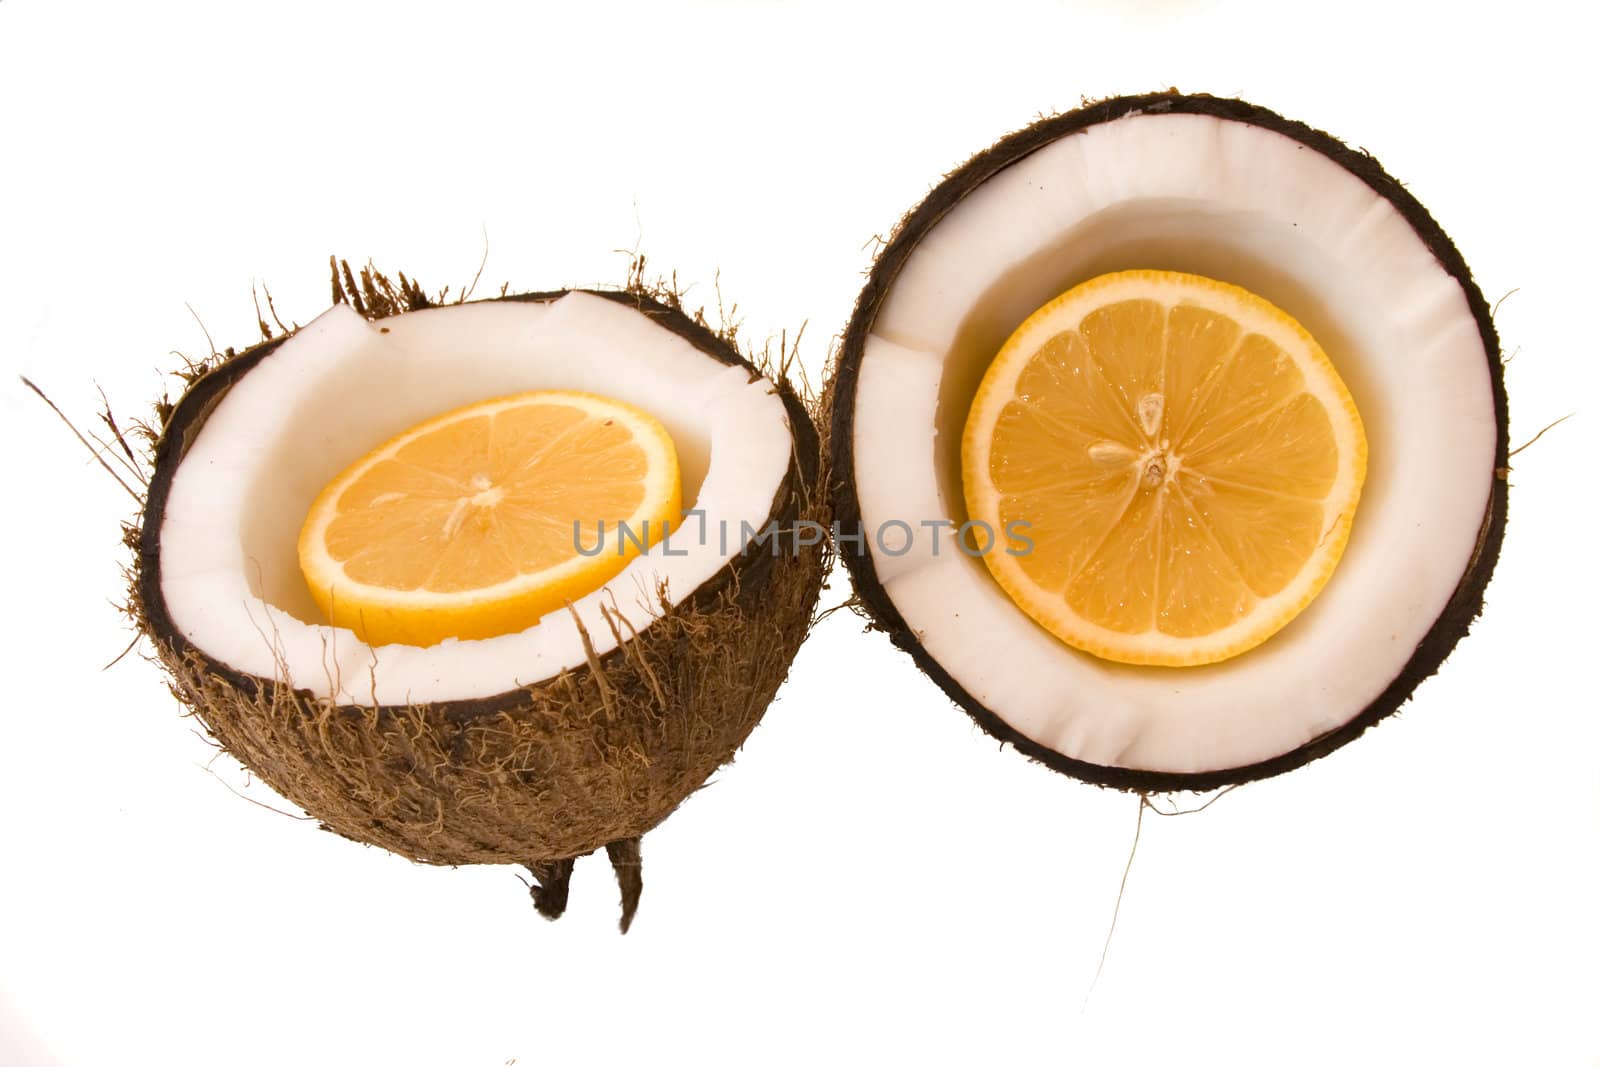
{"x": 1230, "y": 190}
{"x": 1174, "y": 465}
{"x": 578, "y": 734}
{"x": 481, "y": 521}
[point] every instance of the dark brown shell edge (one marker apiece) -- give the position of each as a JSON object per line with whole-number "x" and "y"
{"x": 540, "y": 774}
{"x": 1465, "y": 604}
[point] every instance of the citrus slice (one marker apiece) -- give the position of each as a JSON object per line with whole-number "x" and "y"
{"x": 480, "y": 521}
{"x": 1170, "y": 466}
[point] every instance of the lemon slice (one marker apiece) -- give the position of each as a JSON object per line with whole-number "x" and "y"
{"x": 1170, "y": 466}
{"x": 480, "y": 521}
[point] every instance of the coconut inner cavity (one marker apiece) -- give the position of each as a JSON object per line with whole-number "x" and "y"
{"x": 1241, "y": 204}
{"x": 341, "y": 385}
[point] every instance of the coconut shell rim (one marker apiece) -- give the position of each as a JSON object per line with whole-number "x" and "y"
{"x": 1453, "y": 623}
{"x": 744, "y": 575}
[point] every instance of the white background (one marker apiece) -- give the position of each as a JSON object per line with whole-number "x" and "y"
{"x": 873, "y": 880}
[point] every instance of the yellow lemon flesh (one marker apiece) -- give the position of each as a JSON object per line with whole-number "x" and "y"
{"x": 1170, "y": 464}
{"x": 480, "y": 521}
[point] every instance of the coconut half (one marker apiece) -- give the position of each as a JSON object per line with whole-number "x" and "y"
{"x": 1224, "y": 189}
{"x": 584, "y": 730}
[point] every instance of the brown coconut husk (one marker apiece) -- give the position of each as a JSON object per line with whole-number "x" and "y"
{"x": 594, "y": 757}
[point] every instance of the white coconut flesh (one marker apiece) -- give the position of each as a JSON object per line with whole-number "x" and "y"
{"x": 340, "y": 386}
{"x": 1238, "y": 203}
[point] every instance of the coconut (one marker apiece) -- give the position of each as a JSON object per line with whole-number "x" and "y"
{"x": 1225, "y": 189}
{"x": 583, "y": 731}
